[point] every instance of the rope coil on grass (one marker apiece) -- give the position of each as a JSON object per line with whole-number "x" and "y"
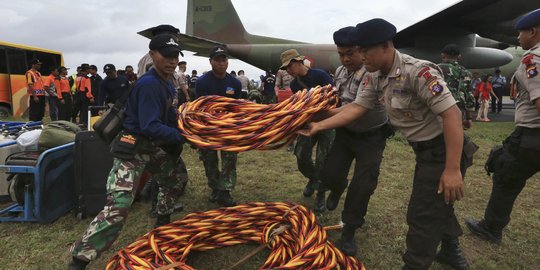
{"x": 291, "y": 231}
{"x": 237, "y": 125}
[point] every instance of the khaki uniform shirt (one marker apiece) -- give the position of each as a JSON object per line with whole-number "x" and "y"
{"x": 347, "y": 84}
{"x": 527, "y": 83}
{"x": 283, "y": 79}
{"x": 244, "y": 81}
{"x": 144, "y": 65}
{"x": 413, "y": 93}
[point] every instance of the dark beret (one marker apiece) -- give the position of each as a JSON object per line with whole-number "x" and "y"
{"x": 451, "y": 49}
{"x": 529, "y": 20}
{"x": 372, "y": 32}
{"x": 341, "y": 37}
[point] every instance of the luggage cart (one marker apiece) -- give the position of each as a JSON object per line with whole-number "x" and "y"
{"x": 50, "y": 193}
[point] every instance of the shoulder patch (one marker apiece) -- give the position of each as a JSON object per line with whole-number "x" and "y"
{"x": 435, "y": 87}
{"x": 366, "y": 80}
{"x": 531, "y": 71}
{"x": 424, "y": 72}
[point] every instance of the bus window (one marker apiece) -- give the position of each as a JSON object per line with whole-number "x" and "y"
{"x": 17, "y": 62}
{"x": 49, "y": 61}
{"x": 3, "y": 61}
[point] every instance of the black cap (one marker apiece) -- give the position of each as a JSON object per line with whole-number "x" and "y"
{"x": 62, "y": 67}
{"x": 529, "y": 20}
{"x": 341, "y": 37}
{"x": 164, "y": 29}
{"x": 85, "y": 66}
{"x": 451, "y": 49}
{"x": 35, "y": 61}
{"x": 372, "y": 32}
{"x": 93, "y": 67}
{"x": 218, "y": 51}
{"x": 165, "y": 44}
{"x": 108, "y": 67}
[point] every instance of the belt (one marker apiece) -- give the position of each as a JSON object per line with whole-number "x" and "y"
{"x": 364, "y": 134}
{"x": 423, "y": 145}
{"x": 529, "y": 131}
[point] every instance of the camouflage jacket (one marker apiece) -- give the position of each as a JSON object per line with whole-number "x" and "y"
{"x": 458, "y": 80}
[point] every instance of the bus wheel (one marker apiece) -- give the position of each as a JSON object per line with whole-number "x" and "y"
{"x": 5, "y": 112}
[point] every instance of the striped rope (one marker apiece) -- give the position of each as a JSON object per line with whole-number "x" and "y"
{"x": 290, "y": 231}
{"x": 237, "y": 125}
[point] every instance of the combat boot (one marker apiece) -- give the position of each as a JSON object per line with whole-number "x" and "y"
{"x": 225, "y": 199}
{"x": 213, "y": 195}
{"x": 162, "y": 220}
{"x": 333, "y": 200}
{"x": 483, "y": 230}
{"x": 452, "y": 255}
{"x": 319, "y": 201}
{"x": 346, "y": 243}
{"x": 77, "y": 264}
{"x": 310, "y": 188}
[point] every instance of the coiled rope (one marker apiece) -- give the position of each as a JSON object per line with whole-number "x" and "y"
{"x": 220, "y": 123}
{"x": 291, "y": 231}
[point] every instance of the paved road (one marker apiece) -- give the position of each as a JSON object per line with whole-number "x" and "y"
{"x": 506, "y": 115}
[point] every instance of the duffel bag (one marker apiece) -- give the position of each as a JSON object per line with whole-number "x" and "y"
{"x": 57, "y": 133}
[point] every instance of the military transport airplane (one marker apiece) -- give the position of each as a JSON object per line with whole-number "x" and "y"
{"x": 482, "y": 28}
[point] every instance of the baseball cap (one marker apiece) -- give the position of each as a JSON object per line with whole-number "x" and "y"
{"x": 35, "y": 61}
{"x": 218, "y": 51}
{"x": 85, "y": 66}
{"x": 165, "y": 44}
{"x": 108, "y": 67}
{"x": 451, "y": 49}
{"x": 62, "y": 67}
{"x": 93, "y": 67}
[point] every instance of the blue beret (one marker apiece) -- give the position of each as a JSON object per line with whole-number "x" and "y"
{"x": 372, "y": 32}
{"x": 529, "y": 20}
{"x": 341, "y": 37}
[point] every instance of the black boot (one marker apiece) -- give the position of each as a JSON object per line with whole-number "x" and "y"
{"x": 213, "y": 195}
{"x": 484, "y": 231}
{"x": 77, "y": 264}
{"x": 451, "y": 254}
{"x": 346, "y": 243}
{"x": 225, "y": 199}
{"x": 162, "y": 220}
{"x": 319, "y": 201}
{"x": 333, "y": 200}
{"x": 310, "y": 188}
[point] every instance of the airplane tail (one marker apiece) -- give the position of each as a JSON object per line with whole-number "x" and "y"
{"x": 218, "y": 21}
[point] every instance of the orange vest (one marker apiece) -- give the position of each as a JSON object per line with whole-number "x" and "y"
{"x": 33, "y": 78}
{"x": 84, "y": 83}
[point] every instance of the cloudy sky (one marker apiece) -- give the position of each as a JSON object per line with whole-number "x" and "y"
{"x": 105, "y": 31}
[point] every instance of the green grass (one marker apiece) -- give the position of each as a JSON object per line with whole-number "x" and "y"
{"x": 273, "y": 176}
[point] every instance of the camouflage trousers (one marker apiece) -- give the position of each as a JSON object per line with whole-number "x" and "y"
{"x": 304, "y": 151}
{"x": 224, "y": 179}
{"x": 122, "y": 183}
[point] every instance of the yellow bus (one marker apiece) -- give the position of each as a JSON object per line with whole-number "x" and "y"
{"x": 14, "y": 62}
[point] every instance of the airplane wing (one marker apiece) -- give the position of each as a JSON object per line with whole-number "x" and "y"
{"x": 189, "y": 43}
{"x": 493, "y": 19}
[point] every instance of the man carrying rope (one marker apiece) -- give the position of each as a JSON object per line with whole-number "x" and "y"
{"x": 363, "y": 140}
{"x": 307, "y": 78}
{"x": 416, "y": 98}
{"x": 150, "y": 120}
{"x": 219, "y": 82}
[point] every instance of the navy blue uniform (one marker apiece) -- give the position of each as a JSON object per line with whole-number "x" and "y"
{"x": 313, "y": 78}
{"x": 112, "y": 89}
{"x": 209, "y": 84}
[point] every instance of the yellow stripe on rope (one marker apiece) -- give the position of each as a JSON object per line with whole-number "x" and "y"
{"x": 291, "y": 231}
{"x": 237, "y": 125}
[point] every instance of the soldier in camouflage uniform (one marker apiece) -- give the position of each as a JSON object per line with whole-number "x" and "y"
{"x": 458, "y": 80}
{"x": 150, "y": 120}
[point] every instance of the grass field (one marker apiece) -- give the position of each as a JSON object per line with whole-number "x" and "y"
{"x": 273, "y": 176}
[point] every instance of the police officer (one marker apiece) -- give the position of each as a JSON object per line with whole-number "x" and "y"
{"x": 307, "y": 78}
{"x": 458, "y": 81}
{"x": 113, "y": 86}
{"x": 499, "y": 83}
{"x": 416, "y": 99}
{"x": 150, "y": 120}
{"x": 518, "y": 159}
{"x": 363, "y": 140}
{"x": 219, "y": 82}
